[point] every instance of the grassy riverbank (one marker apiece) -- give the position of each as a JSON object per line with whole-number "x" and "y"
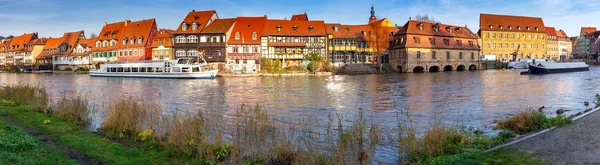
{"x": 134, "y": 133}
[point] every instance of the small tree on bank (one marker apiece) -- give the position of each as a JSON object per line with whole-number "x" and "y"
{"x": 378, "y": 38}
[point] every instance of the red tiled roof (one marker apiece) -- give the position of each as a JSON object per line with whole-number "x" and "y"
{"x": 510, "y": 23}
{"x": 551, "y": 32}
{"x": 300, "y": 17}
{"x": 410, "y": 32}
{"x": 166, "y": 36}
{"x": 85, "y": 43}
{"x": 51, "y": 44}
{"x": 202, "y": 18}
{"x": 4, "y": 45}
{"x": 561, "y": 33}
{"x": 39, "y": 41}
{"x": 287, "y": 28}
{"x": 135, "y": 30}
{"x": 22, "y": 40}
{"x": 412, "y": 27}
{"x": 586, "y": 30}
{"x": 219, "y": 26}
{"x": 246, "y": 26}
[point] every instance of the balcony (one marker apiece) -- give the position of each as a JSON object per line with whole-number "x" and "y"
{"x": 215, "y": 58}
{"x": 243, "y": 56}
{"x": 71, "y": 62}
{"x": 212, "y": 44}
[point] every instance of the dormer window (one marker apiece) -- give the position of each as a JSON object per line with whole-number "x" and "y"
{"x": 491, "y": 27}
{"x": 420, "y": 26}
{"x": 254, "y": 35}
{"x": 336, "y": 28}
{"x": 449, "y": 29}
{"x": 132, "y": 41}
{"x": 237, "y": 35}
{"x": 194, "y": 26}
{"x": 124, "y": 41}
{"x": 458, "y": 30}
{"x": 518, "y": 28}
{"x": 113, "y": 43}
{"x": 311, "y": 28}
{"x": 363, "y": 33}
{"x": 184, "y": 26}
{"x": 295, "y": 28}
{"x": 500, "y": 26}
{"x": 140, "y": 40}
{"x": 98, "y": 44}
{"x": 279, "y": 28}
{"x": 509, "y": 27}
{"x": 436, "y": 28}
{"x": 537, "y": 29}
{"x": 527, "y": 28}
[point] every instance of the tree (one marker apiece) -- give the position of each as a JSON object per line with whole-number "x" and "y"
{"x": 93, "y": 35}
{"x": 10, "y": 37}
{"x": 378, "y": 38}
{"x": 426, "y": 18}
{"x": 1, "y": 37}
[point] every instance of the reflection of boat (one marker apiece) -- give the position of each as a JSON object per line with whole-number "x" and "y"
{"x": 179, "y": 69}
{"x": 548, "y": 68}
{"x": 524, "y": 63}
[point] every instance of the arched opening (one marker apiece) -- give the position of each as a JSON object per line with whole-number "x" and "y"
{"x": 472, "y": 67}
{"x": 460, "y": 68}
{"x": 447, "y": 68}
{"x": 399, "y": 68}
{"x": 434, "y": 69}
{"x": 418, "y": 69}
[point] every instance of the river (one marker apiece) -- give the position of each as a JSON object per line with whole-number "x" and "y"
{"x": 473, "y": 99}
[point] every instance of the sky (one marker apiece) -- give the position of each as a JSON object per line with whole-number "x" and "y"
{"x": 51, "y": 18}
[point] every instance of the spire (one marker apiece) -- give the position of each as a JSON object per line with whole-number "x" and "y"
{"x": 372, "y": 18}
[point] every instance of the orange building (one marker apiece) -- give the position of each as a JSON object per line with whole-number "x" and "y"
{"x": 124, "y": 41}
{"x": 290, "y": 40}
{"x": 162, "y": 46}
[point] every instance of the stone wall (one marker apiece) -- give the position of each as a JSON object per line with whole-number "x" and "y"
{"x": 408, "y": 63}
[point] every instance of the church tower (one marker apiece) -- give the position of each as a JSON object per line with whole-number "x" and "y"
{"x": 372, "y": 18}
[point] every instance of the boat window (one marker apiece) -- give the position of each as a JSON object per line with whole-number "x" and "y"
{"x": 107, "y": 69}
{"x": 119, "y": 69}
{"x": 113, "y": 69}
{"x": 134, "y": 70}
{"x": 196, "y": 69}
{"x": 149, "y": 69}
{"x": 127, "y": 69}
{"x": 158, "y": 69}
{"x": 185, "y": 69}
{"x": 142, "y": 69}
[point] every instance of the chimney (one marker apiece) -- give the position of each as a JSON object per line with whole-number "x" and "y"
{"x": 126, "y": 22}
{"x": 104, "y": 23}
{"x": 193, "y": 10}
{"x": 409, "y": 18}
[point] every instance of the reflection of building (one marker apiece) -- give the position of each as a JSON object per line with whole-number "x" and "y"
{"x": 162, "y": 46}
{"x": 428, "y": 47}
{"x": 552, "y": 43}
{"x": 291, "y": 41}
{"x": 565, "y": 47}
{"x": 353, "y": 43}
{"x": 244, "y": 44}
{"x": 582, "y": 46}
{"x": 502, "y": 35}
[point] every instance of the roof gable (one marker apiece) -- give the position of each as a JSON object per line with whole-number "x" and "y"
{"x": 246, "y": 27}
{"x": 551, "y": 31}
{"x": 137, "y": 30}
{"x": 219, "y": 26}
{"x": 201, "y": 18}
{"x": 300, "y": 17}
{"x": 294, "y": 28}
{"x": 428, "y": 28}
{"x": 586, "y": 30}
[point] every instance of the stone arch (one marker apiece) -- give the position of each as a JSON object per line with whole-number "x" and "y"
{"x": 399, "y": 67}
{"x": 472, "y": 67}
{"x": 434, "y": 69}
{"x": 461, "y": 68}
{"x": 419, "y": 69}
{"x": 448, "y": 68}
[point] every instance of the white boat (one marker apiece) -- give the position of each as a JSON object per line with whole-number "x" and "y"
{"x": 524, "y": 63}
{"x": 173, "y": 69}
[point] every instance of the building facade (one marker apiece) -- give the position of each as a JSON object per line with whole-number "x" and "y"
{"x": 20, "y": 52}
{"x": 504, "y": 35}
{"x": 552, "y": 44}
{"x": 162, "y": 46}
{"x": 357, "y": 43}
{"x": 290, "y": 41}
{"x": 583, "y": 44}
{"x": 432, "y": 47}
{"x": 105, "y": 46}
{"x": 4, "y": 46}
{"x": 80, "y": 56}
{"x": 44, "y": 61}
{"x": 213, "y": 42}
{"x": 38, "y": 46}
{"x": 62, "y": 59}
{"x": 244, "y": 45}
{"x": 124, "y": 41}
{"x": 565, "y": 46}
{"x": 187, "y": 35}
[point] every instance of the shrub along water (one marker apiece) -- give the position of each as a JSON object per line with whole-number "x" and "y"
{"x": 75, "y": 108}
{"x": 26, "y": 95}
{"x": 531, "y": 121}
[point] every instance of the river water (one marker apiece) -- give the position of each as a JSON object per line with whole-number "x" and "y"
{"x": 473, "y": 99}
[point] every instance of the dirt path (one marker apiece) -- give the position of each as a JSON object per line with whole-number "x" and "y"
{"x": 578, "y": 143}
{"x": 44, "y": 138}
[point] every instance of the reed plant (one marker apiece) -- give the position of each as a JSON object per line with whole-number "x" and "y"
{"x": 75, "y": 108}
{"x": 25, "y": 94}
{"x": 124, "y": 118}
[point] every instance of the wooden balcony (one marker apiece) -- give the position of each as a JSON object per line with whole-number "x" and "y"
{"x": 211, "y": 44}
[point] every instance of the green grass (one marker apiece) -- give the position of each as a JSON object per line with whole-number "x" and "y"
{"x": 506, "y": 156}
{"x": 531, "y": 121}
{"x": 68, "y": 134}
{"x": 16, "y": 147}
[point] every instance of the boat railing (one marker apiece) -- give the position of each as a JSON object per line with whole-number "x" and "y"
{"x": 135, "y": 61}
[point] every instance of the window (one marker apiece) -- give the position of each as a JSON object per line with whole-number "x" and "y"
{"x": 180, "y": 53}
{"x": 473, "y": 54}
{"x": 433, "y": 55}
{"x": 140, "y": 40}
{"x": 518, "y": 27}
{"x": 506, "y": 36}
{"x": 132, "y": 41}
{"x": 184, "y": 26}
{"x": 494, "y": 46}
{"x": 542, "y": 45}
{"x": 255, "y": 50}
{"x": 432, "y": 41}
{"x": 180, "y": 39}
{"x": 279, "y": 28}
{"x": 513, "y": 35}
{"x": 460, "y": 55}
{"x": 254, "y": 35}
{"x": 246, "y": 50}
{"x": 448, "y": 55}
{"x": 500, "y": 35}
{"x": 494, "y": 35}
{"x": 113, "y": 43}
{"x": 487, "y": 35}
{"x": 471, "y": 43}
{"x": 194, "y": 26}
{"x": 500, "y": 46}
{"x": 192, "y": 39}
{"x": 192, "y": 53}
{"x": 417, "y": 40}
{"x": 235, "y": 49}
{"x": 124, "y": 41}
{"x": 505, "y": 45}
{"x": 135, "y": 53}
{"x": 98, "y": 44}
{"x": 459, "y": 42}
{"x": 446, "y": 42}
{"x": 237, "y": 35}
{"x": 105, "y": 44}
{"x": 130, "y": 53}
{"x": 487, "y": 45}
{"x": 295, "y": 28}
{"x": 418, "y": 54}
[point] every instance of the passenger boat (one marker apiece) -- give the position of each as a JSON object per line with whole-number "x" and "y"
{"x": 174, "y": 69}
{"x": 524, "y": 63}
{"x": 548, "y": 68}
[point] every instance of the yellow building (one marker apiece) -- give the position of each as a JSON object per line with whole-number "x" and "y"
{"x": 552, "y": 44}
{"x": 38, "y": 46}
{"x": 162, "y": 45}
{"x": 503, "y": 35}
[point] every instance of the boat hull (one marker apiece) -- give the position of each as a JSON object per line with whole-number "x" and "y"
{"x": 197, "y": 75}
{"x": 539, "y": 70}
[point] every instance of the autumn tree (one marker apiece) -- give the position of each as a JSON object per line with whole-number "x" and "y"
{"x": 378, "y": 38}
{"x": 93, "y": 35}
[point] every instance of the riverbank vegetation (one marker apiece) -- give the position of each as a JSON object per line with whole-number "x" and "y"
{"x": 134, "y": 132}
{"x": 531, "y": 121}
{"x": 316, "y": 64}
